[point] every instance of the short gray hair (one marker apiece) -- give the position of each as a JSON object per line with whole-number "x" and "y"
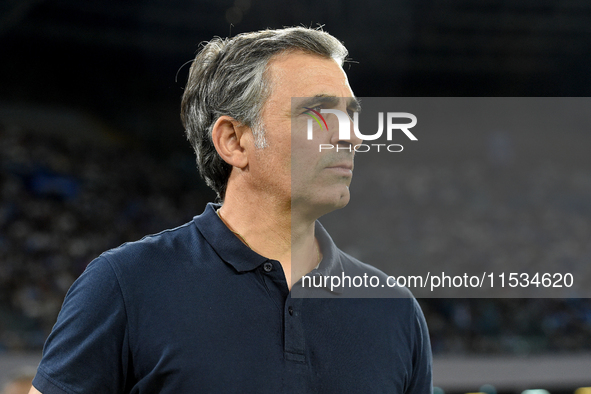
{"x": 228, "y": 77}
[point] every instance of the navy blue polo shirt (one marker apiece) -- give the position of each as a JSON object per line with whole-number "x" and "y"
{"x": 194, "y": 310}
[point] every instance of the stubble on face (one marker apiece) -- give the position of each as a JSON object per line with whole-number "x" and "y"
{"x": 291, "y": 169}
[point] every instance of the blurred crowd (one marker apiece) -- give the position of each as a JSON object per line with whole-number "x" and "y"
{"x": 528, "y": 216}
{"x": 515, "y": 326}
{"x": 63, "y": 201}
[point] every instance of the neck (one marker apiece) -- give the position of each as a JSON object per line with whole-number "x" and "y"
{"x": 271, "y": 230}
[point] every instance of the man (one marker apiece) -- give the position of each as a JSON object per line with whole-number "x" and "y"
{"x": 208, "y": 307}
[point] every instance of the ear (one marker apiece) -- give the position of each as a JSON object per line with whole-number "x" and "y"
{"x": 228, "y": 137}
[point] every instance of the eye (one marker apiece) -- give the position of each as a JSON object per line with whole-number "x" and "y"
{"x": 350, "y": 112}
{"x": 316, "y": 108}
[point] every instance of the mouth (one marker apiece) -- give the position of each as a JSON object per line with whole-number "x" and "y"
{"x": 344, "y": 168}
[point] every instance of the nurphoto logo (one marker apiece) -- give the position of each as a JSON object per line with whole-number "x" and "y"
{"x": 344, "y": 121}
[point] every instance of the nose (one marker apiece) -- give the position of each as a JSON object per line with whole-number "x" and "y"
{"x": 337, "y": 138}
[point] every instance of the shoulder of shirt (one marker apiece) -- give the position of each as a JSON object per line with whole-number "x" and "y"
{"x": 353, "y": 266}
{"x": 165, "y": 244}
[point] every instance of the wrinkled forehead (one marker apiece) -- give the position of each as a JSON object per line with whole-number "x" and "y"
{"x": 326, "y": 101}
{"x": 300, "y": 74}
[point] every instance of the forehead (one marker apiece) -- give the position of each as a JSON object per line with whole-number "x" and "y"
{"x": 299, "y": 74}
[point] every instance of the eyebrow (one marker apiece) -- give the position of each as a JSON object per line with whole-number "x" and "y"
{"x": 330, "y": 101}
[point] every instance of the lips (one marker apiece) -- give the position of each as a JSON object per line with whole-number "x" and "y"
{"x": 345, "y": 165}
{"x": 343, "y": 168}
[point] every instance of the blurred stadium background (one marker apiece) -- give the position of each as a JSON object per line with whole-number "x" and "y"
{"x": 92, "y": 155}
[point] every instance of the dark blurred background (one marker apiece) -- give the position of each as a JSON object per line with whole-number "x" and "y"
{"x": 93, "y": 152}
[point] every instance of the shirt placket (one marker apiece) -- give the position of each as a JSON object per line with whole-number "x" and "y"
{"x": 294, "y": 343}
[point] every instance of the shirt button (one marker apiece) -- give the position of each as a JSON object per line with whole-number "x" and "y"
{"x": 268, "y": 267}
{"x": 290, "y": 311}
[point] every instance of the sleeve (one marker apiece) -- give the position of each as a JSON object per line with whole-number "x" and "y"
{"x": 87, "y": 350}
{"x": 422, "y": 377}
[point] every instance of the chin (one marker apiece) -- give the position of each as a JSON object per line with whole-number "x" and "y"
{"x": 319, "y": 204}
{"x": 343, "y": 200}
{"x": 333, "y": 203}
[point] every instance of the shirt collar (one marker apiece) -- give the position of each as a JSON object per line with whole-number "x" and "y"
{"x": 330, "y": 265}
{"x": 227, "y": 245}
{"x": 234, "y": 252}
{"x": 330, "y": 253}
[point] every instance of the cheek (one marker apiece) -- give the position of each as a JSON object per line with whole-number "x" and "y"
{"x": 304, "y": 159}
{"x": 272, "y": 167}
